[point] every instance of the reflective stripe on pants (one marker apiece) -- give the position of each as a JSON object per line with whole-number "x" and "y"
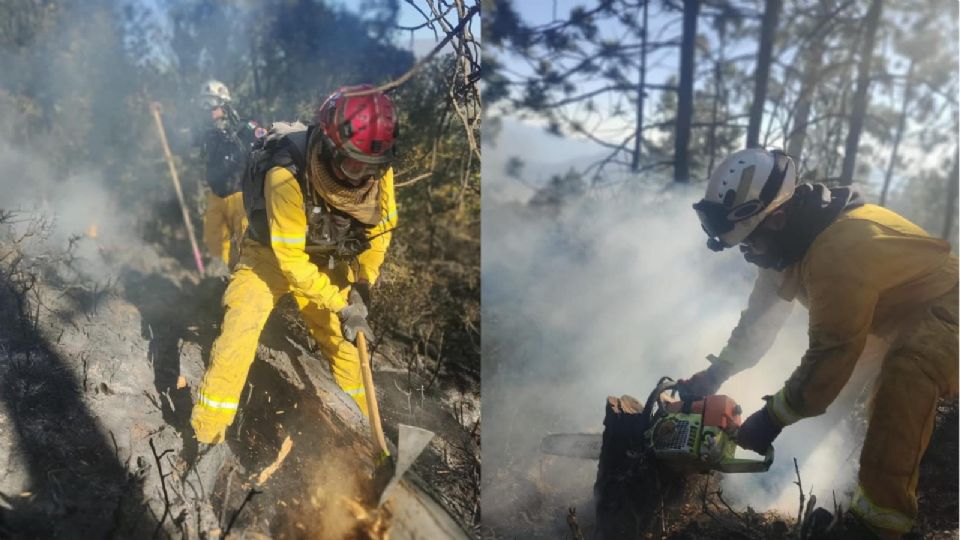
{"x": 878, "y": 516}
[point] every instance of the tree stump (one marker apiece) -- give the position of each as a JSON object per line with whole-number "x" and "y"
{"x": 631, "y": 488}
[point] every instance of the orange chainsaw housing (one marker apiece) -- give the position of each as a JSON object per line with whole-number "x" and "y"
{"x": 717, "y": 411}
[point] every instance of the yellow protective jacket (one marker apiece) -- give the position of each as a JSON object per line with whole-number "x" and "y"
{"x": 287, "y": 219}
{"x": 759, "y": 324}
{"x": 867, "y": 272}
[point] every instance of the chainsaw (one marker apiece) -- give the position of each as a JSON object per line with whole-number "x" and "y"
{"x": 692, "y": 435}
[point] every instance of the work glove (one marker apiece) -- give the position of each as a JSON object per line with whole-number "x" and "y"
{"x": 703, "y": 383}
{"x": 758, "y": 431}
{"x": 353, "y": 318}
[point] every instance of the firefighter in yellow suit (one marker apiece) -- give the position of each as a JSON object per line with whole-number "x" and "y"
{"x": 223, "y": 224}
{"x": 224, "y": 146}
{"x": 323, "y": 188}
{"x": 860, "y": 269}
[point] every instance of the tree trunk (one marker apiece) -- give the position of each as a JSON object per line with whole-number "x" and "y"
{"x": 631, "y": 488}
{"x": 717, "y": 92}
{"x": 835, "y": 133}
{"x": 860, "y": 98}
{"x": 641, "y": 90}
{"x": 681, "y": 165}
{"x": 257, "y": 91}
{"x": 952, "y": 181}
{"x": 901, "y": 125}
{"x": 769, "y": 28}
{"x": 811, "y": 76}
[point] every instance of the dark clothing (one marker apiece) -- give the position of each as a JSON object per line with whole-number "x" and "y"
{"x": 225, "y": 155}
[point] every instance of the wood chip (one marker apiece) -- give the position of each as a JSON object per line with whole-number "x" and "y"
{"x": 282, "y": 455}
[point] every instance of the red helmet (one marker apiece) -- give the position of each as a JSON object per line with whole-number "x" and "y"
{"x": 359, "y": 130}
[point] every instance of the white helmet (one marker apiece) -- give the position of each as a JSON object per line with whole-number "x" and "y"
{"x": 743, "y": 190}
{"x": 214, "y": 93}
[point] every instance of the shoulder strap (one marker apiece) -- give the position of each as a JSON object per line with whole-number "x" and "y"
{"x": 277, "y": 149}
{"x": 297, "y": 157}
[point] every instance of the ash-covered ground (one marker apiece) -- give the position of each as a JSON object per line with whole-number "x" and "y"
{"x": 97, "y": 379}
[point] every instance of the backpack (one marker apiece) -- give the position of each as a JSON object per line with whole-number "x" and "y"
{"x": 278, "y": 148}
{"x": 330, "y": 233}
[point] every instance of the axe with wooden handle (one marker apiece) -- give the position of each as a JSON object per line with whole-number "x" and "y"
{"x": 410, "y": 441}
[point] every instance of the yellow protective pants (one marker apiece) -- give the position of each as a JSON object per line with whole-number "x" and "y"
{"x": 223, "y": 224}
{"x": 255, "y": 287}
{"x": 919, "y": 369}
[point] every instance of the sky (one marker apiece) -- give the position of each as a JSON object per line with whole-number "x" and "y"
{"x": 666, "y": 63}
{"x": 421, "y": 40}
{"x": 659, "y": 67}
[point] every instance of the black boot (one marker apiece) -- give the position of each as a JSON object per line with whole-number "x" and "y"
{"x": 850, "y": 527}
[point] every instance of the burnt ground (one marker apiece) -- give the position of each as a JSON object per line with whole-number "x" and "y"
{"x": 96, "y": 385}
{"x": 540, "y": 501}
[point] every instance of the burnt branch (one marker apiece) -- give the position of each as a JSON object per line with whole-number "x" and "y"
{"x": 163, "y": 486}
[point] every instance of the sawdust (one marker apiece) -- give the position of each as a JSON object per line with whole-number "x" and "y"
{"x": 334, "y": 506}
{"x": 372, "y": 524}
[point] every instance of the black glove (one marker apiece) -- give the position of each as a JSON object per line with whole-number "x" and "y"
{"x": 703, "y": 383}
{"x": 353, "y": 318}
{"x": 758, "y": 431}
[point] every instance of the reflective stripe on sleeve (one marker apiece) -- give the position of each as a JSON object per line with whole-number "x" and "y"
{"x": 287, "y": 239}
{"x": 217, "y": 404}
{"x": 782, "y": 410}
{"x": 354, "y": 390}
{"x": 878, "y": 516}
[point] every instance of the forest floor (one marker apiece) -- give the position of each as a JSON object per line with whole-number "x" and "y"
{"x": 97, "y": 380}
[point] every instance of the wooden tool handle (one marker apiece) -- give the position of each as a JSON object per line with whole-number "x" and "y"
{"x": 372, "y": 408}
{"x": 175, "y": 178}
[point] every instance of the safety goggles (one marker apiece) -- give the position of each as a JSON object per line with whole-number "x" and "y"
{"x": 714, "y": 221}
{"x": 209, "y": 102}
{"x": 714, "y": 217}
{"x": 354, "y": 167}
{"x": 357, "y": 171}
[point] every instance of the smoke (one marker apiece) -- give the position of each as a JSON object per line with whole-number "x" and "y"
{"x": 75, "y": 218}
{"x": 605, "y": 295}
{"x": 84, "y": 169}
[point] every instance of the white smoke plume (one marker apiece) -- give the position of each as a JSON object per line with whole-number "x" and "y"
{"x": 76, "y": 213}
{"x": 603, "y": 297}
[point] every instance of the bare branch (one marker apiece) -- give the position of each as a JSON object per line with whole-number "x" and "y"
{"x": 163, "y": 487}
{"x": 396, "y": 83}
